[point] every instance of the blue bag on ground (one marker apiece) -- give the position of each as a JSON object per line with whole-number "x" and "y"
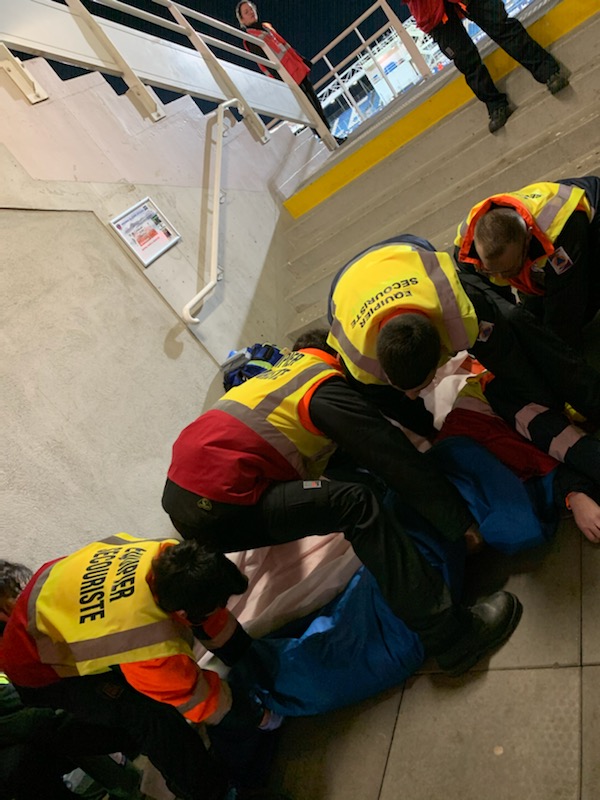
{"x": 244, "y": 364}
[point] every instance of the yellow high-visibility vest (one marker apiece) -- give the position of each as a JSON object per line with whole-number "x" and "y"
{"x": 545, "y": 207}
{"x": 275, "y": 405}
{"x": 94, "y": 609}
{"x": 394, "y": 277}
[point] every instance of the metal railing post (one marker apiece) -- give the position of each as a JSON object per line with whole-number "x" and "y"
{"x": 346, "y": 92}
{"x": 137, "y": 90}
{"x": 374, "y": 59}
{"x": 407, "y": 40}
{"x": 252, "y": 120}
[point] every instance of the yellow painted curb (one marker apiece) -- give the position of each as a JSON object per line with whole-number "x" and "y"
{"x": 559, "y": 21}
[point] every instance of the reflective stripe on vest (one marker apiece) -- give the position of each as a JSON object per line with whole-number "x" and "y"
{"x": 94, "y": 609}
{"x": 396, "y": 277}
{"x": 269, "y": 404}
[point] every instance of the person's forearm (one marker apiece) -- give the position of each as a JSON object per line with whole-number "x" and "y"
{"x": 381, "y": 447}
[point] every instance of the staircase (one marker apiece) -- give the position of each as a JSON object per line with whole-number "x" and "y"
{"x": 429, "y": 185}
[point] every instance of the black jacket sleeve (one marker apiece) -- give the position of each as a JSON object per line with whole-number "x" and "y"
{"x": 394, "y": 404}
{"x": 567, "y": 480}
{"x": 358, "y": 427}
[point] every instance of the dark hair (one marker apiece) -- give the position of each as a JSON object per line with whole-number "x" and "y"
{"x": 408, "y": 349}
{"x": 13, "y": 579}
{"x": 498, "y": 228}
{"x": 238, "y": 15}
{"x": 190, "y": 578}
{"x": 316, "y": 337}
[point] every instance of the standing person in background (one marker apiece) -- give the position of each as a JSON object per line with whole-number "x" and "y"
{"x": 298, "y": 66}
{"x": 443, "y": 21}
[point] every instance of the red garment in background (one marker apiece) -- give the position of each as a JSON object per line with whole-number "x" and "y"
{"x": 509, "y": 447}
{"x": 429, "y": 14}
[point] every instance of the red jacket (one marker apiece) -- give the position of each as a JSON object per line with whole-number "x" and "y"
{"x": 290, "y": 59}
{"x": 219, "y": 457}
{"x": 430, "y": 13}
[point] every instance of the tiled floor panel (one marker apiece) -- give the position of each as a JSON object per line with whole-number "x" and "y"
{"x": 498, "y": 735}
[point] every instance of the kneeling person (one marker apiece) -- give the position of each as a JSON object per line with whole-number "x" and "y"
{"x": 107, "y": 633}
{"x": 246, "y": 474}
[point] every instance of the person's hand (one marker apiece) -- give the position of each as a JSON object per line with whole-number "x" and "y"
{"x": 271, "y": 721}
{"x": 473, "y": 539}
{"x": 586, "y": 513}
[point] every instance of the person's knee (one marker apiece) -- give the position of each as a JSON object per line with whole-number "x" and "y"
{"x": 354, "y": 504}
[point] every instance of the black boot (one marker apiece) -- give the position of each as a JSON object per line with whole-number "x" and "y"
{"x": 492, "y": 622}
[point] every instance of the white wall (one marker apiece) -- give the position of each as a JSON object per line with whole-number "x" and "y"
{"x": 99, "y": 374}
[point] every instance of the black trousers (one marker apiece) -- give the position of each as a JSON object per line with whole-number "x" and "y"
{"x": 310, "y": 93}
{"x": 32, "y": 770}
{"x": 117, "y": 718}
{"x": 414, "y": 590}
{"x": 454, "y": 41}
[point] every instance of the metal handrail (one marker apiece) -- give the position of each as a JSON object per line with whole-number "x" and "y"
{"x": 199, "y": 298}
{"x": 182, "y": 13}
{"x": 336, "y": 74}
{"x": 147, "y": 16}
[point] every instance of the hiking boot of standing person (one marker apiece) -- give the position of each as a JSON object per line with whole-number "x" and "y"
{"x": 492, "y": 622}
{"x": 557, "y": 82}
{"x": 498, "y": 118}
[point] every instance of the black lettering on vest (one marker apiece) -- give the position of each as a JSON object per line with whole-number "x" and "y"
{"x": 117, "y": 592}
{"x": 381, "y": 299}
{"x": 94, "y": 578}
{"x": 92, "y": 583}
{"x": 124, "y": 584}
{"x": 91, "y": 613}
{"x": 84, "y": 599}
{"x": 272, "y": 374}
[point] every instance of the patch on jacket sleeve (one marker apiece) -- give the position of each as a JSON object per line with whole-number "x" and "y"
{"x": 485, "y": 330}
{"x": 560, "y": 261}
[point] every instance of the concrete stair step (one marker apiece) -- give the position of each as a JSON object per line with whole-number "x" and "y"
{"x": 462, "y": 136}
{"x": 313, "y": 316}
{"x": 528, "y": 130}
{"x": 553, "y": 151}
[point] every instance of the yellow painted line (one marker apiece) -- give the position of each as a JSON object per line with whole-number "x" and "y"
{"x": 559, "y": 21}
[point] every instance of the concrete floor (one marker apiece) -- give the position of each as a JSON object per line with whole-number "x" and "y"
{"x": 522, "y": 725}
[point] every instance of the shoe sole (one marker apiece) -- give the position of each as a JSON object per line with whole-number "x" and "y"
{"x": 469, "y": 662}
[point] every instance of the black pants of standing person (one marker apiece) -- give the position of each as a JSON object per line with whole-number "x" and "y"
{"x": 114, "y": 717}
{"x": 310, "y": 93}
{"x": 288, "y": 511}
{"x": 454, "y": 41}
{"x": 536, "y": 370}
